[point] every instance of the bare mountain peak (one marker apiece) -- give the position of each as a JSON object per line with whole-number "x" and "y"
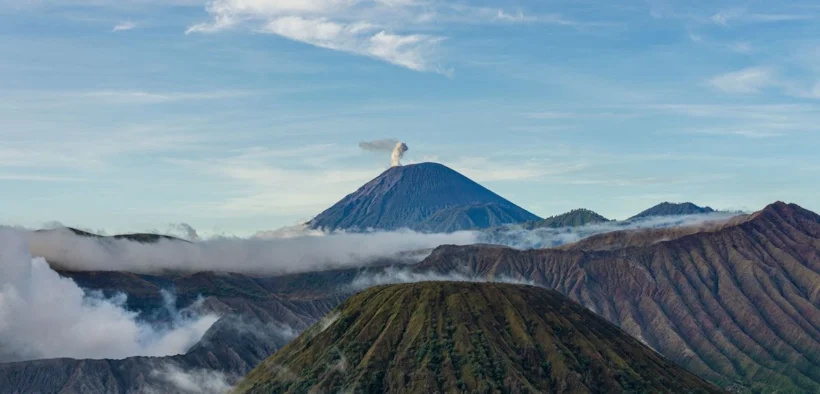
{"x": 424, "y": 197}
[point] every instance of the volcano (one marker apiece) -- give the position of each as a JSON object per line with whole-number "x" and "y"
{"x": 456, "y": 337}
{"x": 427, "y": 197}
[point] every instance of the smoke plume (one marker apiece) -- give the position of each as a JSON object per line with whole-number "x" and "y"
{"x": 398, "y": 153}
{"x": 43, "y": 315}
{"x": 395, "y": 147}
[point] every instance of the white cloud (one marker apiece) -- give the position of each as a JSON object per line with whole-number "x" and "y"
{"x": 517, "y": 237}
{"x": 297, "y": 250}
{"x": 373, "y": 28}
{"x": 147, "y": 97}
{"x": 746, "y": 81}
{"x": 124, "y": 26}
{"x": 727, "y": 17}
{"x": 198, "y": 381}
{"x": 403, "y": 275}
{"x": 410, "y": 51}
{"x": 43, "y": 315}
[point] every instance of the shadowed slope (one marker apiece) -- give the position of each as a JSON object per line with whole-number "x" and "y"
{"x": 467, "y": 337}
{"x": 739, "y": 306}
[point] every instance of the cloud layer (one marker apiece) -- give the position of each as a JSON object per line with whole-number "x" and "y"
{"x": 298, "y": 250}
{"x": 43, "y": 315}
{"x": 517, "y": 237}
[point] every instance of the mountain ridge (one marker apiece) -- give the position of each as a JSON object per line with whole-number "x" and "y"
{"x": 739, "y": 306}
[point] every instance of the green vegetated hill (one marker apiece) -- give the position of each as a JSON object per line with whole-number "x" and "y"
{"x": 467, "y": 337}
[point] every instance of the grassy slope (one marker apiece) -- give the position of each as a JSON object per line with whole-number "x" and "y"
{"x": 466, "y": 337}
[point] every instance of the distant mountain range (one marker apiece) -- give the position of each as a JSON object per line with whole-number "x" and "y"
{"x": 136, "y": 237}
{"x": 673, "y": 209}
{"x": 574, "y": 218}
{"x": 426, "y": 197}
{"x": 450, "y": 337}
{"x": 736, "y": 302}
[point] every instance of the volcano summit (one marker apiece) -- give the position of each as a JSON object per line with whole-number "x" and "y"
{"x": 426, "y": 197}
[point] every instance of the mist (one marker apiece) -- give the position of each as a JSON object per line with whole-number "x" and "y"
{"x": 517, "y": 237}
{"x": 404, "y": 275}
{"x": 170, "y": 378}
{"x": 270, "y": 253}
{"x": 301, "y": 249}
{"x": 43, "y": 315}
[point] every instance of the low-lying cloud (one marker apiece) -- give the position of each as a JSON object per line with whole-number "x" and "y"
{"x": 518, "y": 237}
{"x": 170, "y": 378}
{"x": 404, "y": 275}
{"x": 270, "y": 253}
{"x": 43, "y": 315}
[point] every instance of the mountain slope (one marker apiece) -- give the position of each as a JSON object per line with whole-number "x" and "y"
{"x": 673, "y": 209}
{"x": 420, "y": 197}
{"x": 739, "y": 306}
{"x": 466, "y": 337}
{"x": 574, "y": 218}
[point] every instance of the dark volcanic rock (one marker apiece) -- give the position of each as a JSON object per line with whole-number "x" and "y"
{"x": 423, "y": 197}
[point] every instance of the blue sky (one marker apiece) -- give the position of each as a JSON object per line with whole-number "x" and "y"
{"x": 243, "y": 115}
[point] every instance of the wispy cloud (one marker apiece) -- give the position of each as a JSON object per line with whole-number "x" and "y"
{"x": 39, "y": 178}
{"x": 746, "y": 81}
{"x": 740, "y": 47}
{"x": 413, "y": 51}
{"x": 387, "y": 30}
{"x": 124, "y": 26}
{"x": 740, "y": 16}
{"x": 149, "y": 97}
{"x": 256, "y": 178}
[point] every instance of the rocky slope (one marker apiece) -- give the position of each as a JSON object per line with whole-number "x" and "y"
{"x": 423, "y": 197}
{"x": 466, "y": 337}
{"x": 739, "y": 306}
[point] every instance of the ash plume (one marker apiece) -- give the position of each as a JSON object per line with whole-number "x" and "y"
{"x": 395, "y": 147}
{"x": 398, "y": 153}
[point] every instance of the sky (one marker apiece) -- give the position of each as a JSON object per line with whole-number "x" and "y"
{"x": 238, "y": 116}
